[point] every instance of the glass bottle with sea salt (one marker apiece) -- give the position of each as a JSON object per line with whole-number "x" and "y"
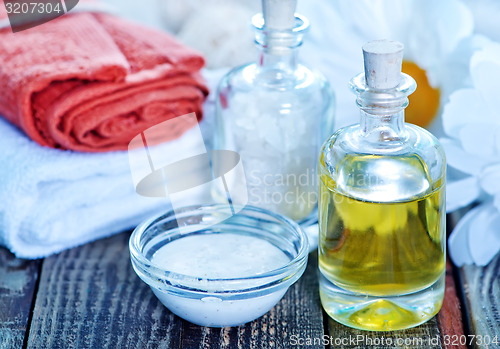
{"x": 274, "y": 114}
{"x": 381, "y": 207}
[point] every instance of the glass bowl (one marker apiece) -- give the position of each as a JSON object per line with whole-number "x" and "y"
{"x": 217, "y": 271}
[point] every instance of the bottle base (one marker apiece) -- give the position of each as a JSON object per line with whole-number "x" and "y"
{"x": 381, "y": 313}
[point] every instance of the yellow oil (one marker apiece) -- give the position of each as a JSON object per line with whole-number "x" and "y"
{"x": 385, "y": 315}
{"x": 381, "y": 250}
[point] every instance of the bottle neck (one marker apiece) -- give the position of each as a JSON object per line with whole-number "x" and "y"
{"x": 278, "y": 49}
{"x": 278, "y": 58}
{"x": 382, "y": 111}
{"x": 383, "y": 127}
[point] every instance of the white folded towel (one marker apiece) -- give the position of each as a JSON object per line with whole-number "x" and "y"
{"x": 51, "y": 200}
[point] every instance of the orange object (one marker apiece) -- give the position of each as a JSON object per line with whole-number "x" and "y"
{"x": 91, "y": 82}
{"x": 424, "y": 103}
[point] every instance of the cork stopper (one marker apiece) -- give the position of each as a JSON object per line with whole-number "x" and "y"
{"x": 383, "y": 61}
{"x": 279, "y": 14}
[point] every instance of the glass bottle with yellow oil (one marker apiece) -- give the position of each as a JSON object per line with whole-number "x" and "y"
{"x": 382, "y": 206}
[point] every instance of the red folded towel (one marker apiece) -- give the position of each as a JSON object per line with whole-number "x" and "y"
{"x": 92, "y": 82}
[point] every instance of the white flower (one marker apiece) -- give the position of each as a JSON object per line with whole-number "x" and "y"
{"x": 472, "y": 120}
{"x": 486, "y": 14}
{"x": 430, "y": 30}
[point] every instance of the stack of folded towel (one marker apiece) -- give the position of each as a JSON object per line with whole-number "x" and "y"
{"x": 85, "y": 83}
{"x": 91, "y": 82}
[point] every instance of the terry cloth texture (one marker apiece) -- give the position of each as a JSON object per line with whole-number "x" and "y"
{"x": 54, "y": 199}
{"x": 91, "y": 82}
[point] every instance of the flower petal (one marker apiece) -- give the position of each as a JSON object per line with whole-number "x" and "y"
{"x": 339, "y": 29}
{"x": 450, "y": 20}
{"x": 455, "y": 69}
{"x": 465, "y": 107}
{"x": 334, "y": 47}
{"x": 490, "y": 179}
{"x": 461, "y": 160}
{"x": 458, "y": 242}
{"x": 484, "y": 236}
{"x": 496, "y": 202}
{"x": 375, "y": 19}
{"x": 461, "y": 193}
{"x": 485, "y": 73}
{"x": 486, "y": 14}
{"x": 480, "y": 140}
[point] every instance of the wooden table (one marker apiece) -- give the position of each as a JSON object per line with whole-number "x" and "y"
{"x": 89, "y": 297}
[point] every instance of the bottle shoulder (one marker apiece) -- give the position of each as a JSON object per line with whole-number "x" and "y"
{"x": 252, "y": 77}
{"x": 383, "y": 171}
{"x": 247, "y": 93}
{"x": 350, "y": 139}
